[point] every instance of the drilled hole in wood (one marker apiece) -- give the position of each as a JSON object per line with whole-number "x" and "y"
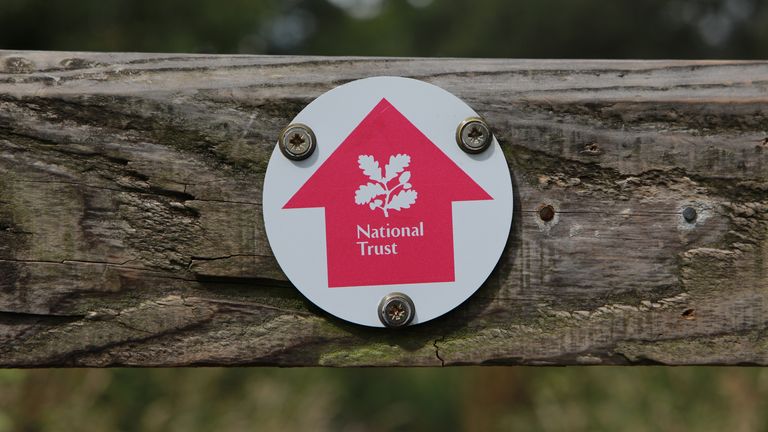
{"x": 547, "y": 213}
{"x": 592, "y": 149}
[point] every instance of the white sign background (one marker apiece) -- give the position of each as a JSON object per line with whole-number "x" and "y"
{"x": 297, "y": 236}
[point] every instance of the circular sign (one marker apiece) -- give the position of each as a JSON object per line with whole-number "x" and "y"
{"x": 388, "y": 211}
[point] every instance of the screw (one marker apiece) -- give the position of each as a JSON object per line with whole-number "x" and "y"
{"x": 473, "y": 135}
{"x": 297, "y": 142}
{"x": 396, "y": 310}
{"x": 689, "y": 214}
{"x": 547, "y": 213}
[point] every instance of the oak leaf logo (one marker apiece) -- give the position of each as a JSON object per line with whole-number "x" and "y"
{"x": 380, "y": 191}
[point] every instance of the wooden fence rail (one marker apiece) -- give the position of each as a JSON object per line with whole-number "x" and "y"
{"x": 131, "y": 229}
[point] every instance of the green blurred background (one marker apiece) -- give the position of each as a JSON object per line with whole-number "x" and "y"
{"x": 450, "y": 399}
{"x": 477, "y": 28}
{"x": 473, "y": 399}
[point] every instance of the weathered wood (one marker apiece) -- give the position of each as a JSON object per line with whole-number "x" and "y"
{"x": 131, "y": 231}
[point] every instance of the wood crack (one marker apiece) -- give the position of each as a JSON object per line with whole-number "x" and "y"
{"x": 437, "y": 350}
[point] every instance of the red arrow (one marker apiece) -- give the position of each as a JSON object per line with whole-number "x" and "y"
{"x": 387, "y": 191}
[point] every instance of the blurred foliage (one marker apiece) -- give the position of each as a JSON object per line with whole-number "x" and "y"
{"x": 473, "y": 399}
{"x": 464, "y": 28}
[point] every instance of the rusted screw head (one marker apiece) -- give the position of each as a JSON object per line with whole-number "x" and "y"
{"x": 396, "y": 310}
{"x": 547, "y": 213}
{"x": 473, "y": 135}
{"x": 689, "y": 214}
{"x": 297, "y": 142}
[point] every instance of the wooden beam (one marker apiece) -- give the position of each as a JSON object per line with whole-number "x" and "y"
{"x": 131, "y": 229}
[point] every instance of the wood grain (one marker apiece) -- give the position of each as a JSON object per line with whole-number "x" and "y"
{"x": 131, "y": 231}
